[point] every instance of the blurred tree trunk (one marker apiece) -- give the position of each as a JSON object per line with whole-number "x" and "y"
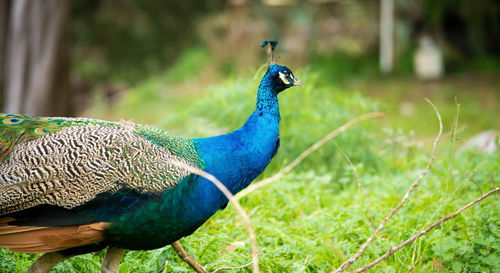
{"x": 386, "y": 36}
{"x": 4, "y": 18}
{"x": 36, "y": 77}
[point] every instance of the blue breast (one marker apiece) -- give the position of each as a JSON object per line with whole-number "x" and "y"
{"x": 236, "y": 159}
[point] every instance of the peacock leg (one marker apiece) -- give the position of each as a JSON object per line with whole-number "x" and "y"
{"x": 186, "y": 258}
{"x": 47, "y": 261}
{"x": 112, "y": 259}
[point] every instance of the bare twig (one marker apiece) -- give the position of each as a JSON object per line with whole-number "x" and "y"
{"x": 415, "y": 264}
{"x": 445, "y": 135}
{"x": 356, "y": 176}
{"x": 264, "y": 65}
{"x": 363, "y": 248}
{"x": 232, "y": 267}
{"x": 236, "y": 204}
{"x": 477, "y": 184}
{"x": 492, "y": 180}
{"x": 305, "y": 264}
{"x": 186, "y": 258}
{"x": 163, "y": 267}
{"x": 429, "y": 228}
{"x": 194, "y": 264}
{"x": 307, "y": 152}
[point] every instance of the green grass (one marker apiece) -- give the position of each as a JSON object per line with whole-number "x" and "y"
{"x": 317, "y": 212}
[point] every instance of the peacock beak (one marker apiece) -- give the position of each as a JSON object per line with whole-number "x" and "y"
{"x": 297, "y": 82}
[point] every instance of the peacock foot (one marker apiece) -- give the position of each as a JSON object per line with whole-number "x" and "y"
{"x": 112, "y": 259}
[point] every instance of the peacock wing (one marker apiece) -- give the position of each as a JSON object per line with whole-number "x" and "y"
{"x": 70, "y": 165}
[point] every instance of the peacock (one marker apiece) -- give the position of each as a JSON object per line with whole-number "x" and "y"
{"x": 70, "y": 186}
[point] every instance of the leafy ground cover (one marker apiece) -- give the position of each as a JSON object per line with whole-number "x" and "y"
{"x": 316, "y": 216}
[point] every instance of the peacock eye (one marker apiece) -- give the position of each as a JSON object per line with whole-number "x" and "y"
{"x": 285, "y": 77}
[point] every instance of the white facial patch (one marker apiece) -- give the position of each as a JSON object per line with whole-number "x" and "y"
{"x": 283, "y": 78}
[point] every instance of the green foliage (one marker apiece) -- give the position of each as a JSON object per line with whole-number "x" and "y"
{"x": 126, "y": 41}
{"x": 340, "y": 67}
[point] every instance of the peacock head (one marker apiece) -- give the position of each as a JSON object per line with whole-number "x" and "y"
{"x": 282, "y": 77}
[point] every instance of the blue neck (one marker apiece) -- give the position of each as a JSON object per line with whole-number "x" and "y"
{"x": 237, "y": 158}
{"x": 267, "y": 100}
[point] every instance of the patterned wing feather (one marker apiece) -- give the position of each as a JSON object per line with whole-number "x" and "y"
{"x": 74, "y": 160}
{"x": 17, "y": 129}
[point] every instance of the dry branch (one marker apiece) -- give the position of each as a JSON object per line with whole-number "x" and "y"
{"x": 363, "y": 248}
{"x": 232, "y": 267}
{"x": 186, "y": 258}
{"x": 305, "y": 264}
{"x": 236, "y": 204}
{"x": 429, "y": 228}
{"x": 194, "y": 264}
{"x": 310, "y": 150}
{"x": 356, "y": 176}
{"x": 415, "y": 264}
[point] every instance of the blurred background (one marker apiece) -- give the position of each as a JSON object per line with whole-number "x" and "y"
{"x": 56, "y": 55}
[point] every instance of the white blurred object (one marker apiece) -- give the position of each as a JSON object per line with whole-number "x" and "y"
{"x": 428, "y": 60}
{"x": 386, "y": 36}
{"x": 407, "y": 108}
{"x": 279, "y": 2}
{"x": 484, "y": 142}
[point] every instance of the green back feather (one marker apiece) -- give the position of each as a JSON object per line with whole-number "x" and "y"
{"x": 181, "y": 147}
